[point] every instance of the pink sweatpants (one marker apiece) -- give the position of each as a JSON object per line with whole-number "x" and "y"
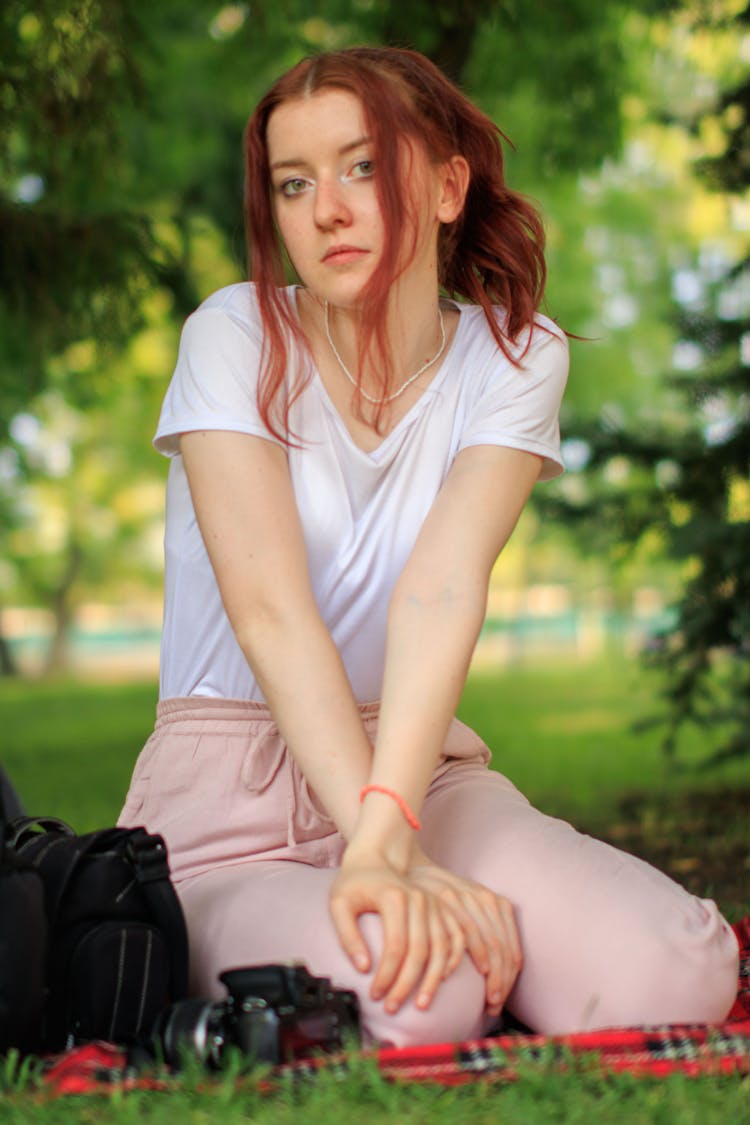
{"x": 607, "y": 939}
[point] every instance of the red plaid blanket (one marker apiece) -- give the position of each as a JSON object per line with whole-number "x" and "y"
{"x": 716, "y": 1049}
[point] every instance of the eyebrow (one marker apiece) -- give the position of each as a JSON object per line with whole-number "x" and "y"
{"x": 296, "y": 162}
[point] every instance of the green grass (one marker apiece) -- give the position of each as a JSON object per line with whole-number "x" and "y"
{"x": 566, "y": 736}
{"x": 562, "y": 733}
{"x": 541, "y": 1095}
{"x": 69, "y": 747}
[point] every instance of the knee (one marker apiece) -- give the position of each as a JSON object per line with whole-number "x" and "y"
{"x": 456, "y": 1012}
{"x": 686, "y": 974}
{"x": 679, "y": 966}
{"x": 695, "y": 976}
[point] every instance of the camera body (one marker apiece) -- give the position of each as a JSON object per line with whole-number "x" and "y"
{"x": 272, "y": 1013}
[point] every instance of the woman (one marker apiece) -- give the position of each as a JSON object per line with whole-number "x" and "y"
{"x": 349, "y": 456}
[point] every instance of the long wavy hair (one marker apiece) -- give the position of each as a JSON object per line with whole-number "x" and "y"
{"x": 493, "y": 254}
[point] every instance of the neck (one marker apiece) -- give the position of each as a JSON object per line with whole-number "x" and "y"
{"x": 416, "y": 342}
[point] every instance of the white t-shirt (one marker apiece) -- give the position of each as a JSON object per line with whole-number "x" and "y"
{"x": 360, "y": 512}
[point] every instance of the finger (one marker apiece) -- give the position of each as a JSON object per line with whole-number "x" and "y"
{"x": 349, "y": 934}
{"x": 511, "y": 951}
{"x": 394, "y": 920}
{"x": 450, "y": 911}
{"x": 512, "y": 930}
{"x": 417, "y": 952}
{"x": 469, "y": 919}
{"x": 495, "y": 919}
{"x": 441, "y": 949}
{"x": 483, "y": 933}
{"x": 457, "y": 942}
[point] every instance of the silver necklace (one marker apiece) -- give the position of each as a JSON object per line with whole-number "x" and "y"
{"x": 409, "y": 381}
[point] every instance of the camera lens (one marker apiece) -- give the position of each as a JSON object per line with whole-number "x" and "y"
{"x": 193, "y": 1028}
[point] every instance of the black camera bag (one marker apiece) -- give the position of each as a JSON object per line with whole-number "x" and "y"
{"x": 116, "y": 937}
{"x": 23, "y": 946}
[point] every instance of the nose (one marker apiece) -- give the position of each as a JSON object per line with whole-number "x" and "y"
{"x": 330, "y": 206}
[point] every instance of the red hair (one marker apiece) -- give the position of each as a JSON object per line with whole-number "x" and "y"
{"x": 493, "y": 254}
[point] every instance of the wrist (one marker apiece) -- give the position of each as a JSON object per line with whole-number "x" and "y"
{"x": 419, "y": 858}
{"x": 381, "y": 835}
{"x": 393, "y": 795}
{"x": 363, "y": 853}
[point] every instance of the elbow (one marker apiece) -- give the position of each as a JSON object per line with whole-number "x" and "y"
{"x": 264, "y": 621}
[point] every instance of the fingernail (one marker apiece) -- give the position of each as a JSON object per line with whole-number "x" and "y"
{"x": 495, "y": 998}
{"x": 360, "y": 961}
{"x": 423, "y": 1000}
{"x": 391, "y": 1006}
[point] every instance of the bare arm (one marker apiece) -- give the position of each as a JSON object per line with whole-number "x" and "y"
{"x": 435, "y": 616}
{"x": 436, "y": 613}
{"x": 245, "y": 507}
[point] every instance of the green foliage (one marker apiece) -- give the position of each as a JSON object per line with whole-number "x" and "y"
{"x": 120, "y": 189}
{"x": 120, "y": 136}
{"x": 72, "y": 254}
{"x": 686, "y": 478}
{"x": 120, "y": 118}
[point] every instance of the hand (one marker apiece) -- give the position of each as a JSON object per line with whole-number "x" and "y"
{"x": 423, "y": 940}
{"x": 486, "y": 921}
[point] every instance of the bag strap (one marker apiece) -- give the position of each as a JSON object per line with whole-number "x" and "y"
{"x": 54, "y": 864}
{"x": 148, "y": 853}
{"x": 3, "y": 827}
{"x": 10, "y": 807}
{"x": 55, "y": 852}
{"x": 22, "y": 829}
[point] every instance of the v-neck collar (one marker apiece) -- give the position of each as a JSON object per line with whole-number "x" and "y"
{"x": 380, "y": 451}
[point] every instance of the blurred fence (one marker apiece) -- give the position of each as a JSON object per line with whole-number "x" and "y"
{"x": 521, "y": 625}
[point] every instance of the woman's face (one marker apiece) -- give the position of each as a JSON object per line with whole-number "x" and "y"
{"x": 325, "y": 200}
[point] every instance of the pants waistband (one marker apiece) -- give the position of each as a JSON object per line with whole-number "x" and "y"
{"x": 179, "y": 708}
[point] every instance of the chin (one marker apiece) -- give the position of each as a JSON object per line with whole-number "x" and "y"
{"x": 340, "y": 297}
{"x": 344, "y": 289}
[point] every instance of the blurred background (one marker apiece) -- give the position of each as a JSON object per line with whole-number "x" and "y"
{"x": 120, "y": 210}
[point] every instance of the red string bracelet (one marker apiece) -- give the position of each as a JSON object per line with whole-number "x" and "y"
{"x": 409, "y": 816}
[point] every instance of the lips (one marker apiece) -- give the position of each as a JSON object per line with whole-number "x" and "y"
{"x": 340, "y": 255}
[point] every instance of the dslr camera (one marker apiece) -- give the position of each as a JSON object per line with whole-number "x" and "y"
{"x": 272, "y": 1013}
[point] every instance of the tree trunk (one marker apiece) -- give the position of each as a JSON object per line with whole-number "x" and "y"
{"x": 8, "y": 666}
{"x": 457, "y": 27}
{"x": 58, "y": 654}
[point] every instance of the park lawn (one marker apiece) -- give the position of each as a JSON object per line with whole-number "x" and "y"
{"x": 69, "y": 746}
{"x": 563, "y": 734}
{"x": 541, "y": 1096}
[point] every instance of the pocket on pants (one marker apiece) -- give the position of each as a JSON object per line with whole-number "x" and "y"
{"x": 262, "y": 762}
{"x": 285, "y": 810}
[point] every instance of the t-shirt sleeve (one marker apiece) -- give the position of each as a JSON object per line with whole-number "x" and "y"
{"x": 214, "y": 385}
{"x": 519, "y": 406}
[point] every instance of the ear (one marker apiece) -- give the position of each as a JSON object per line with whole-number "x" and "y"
{"x": 455, "y": 175}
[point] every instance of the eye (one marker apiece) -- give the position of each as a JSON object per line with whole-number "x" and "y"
{"x": 362, "y": 170}
{"x": 295, "y": 185}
